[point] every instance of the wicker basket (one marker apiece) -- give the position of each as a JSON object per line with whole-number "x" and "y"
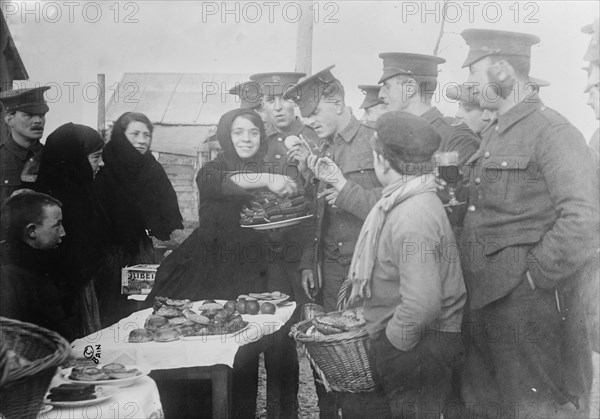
{"x": 22, "y": 390}
{"x": 341, "y": 360}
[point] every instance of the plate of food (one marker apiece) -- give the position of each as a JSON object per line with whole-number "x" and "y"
{"x": 69, "y": 395}
{"x": 45, "y": 408}
{"x": 277, "y": 224}
{"x": 110, "y": 374}
{"x": 266, "y": 211}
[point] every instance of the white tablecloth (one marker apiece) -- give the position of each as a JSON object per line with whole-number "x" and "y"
{"x": 209, "y": 350}
{"x": 140, "y": 400}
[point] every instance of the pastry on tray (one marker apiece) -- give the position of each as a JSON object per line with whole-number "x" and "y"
{"x": 267, "y": 207}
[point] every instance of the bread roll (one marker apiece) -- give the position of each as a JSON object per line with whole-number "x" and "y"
{"x": 154, "y": 322}
{"x": 140, "y": 336}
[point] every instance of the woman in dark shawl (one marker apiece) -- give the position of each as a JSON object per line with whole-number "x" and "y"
{"x": 140, "y": 202}
{"x": 72, "y": 157}
{"x": 221, "y": 260}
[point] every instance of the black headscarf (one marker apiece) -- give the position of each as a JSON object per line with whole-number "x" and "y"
{"x": 65, "y": 157}
{"x": 136, "y": 190}
{"x": 66, "y": 174}
{"x": 229, "y": 156}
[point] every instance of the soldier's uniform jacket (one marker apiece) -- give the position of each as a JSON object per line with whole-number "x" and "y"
{"x": 298, "y": 237}
{"x": 276, "y": 156}
{"x": 533, "y": 205}
{"x": 18, "y": 166}
{"x": 455, "y": 137}
{"x": 337, "y": 229}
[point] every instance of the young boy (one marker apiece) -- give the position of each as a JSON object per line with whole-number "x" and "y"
{"x": 28, "y": 284}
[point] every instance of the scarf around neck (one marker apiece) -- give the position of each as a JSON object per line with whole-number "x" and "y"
{"x": 365, "y": 252}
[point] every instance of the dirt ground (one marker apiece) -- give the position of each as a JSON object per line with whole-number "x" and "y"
{"x": 307, "y": 398}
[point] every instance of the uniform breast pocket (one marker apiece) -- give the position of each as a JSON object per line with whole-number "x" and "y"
{"x": 361, "y": 170}
{"x": 510, "y": 178}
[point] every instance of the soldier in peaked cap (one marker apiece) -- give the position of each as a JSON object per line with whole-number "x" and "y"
{"x": 24, "y": 112}
{"x": 523, "y": 267}
{"x": 409, "y": 83}
{"x": 281, "y": 114}
{"x": 373, "y": 106}
{"x": 342, "y": 201}
{"x": 281, "y": 360}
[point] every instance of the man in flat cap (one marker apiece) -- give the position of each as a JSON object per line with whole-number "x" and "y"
{"x": 530, "y": 233}
{"x": 346, "y": 190}
{"x": 408, "y": 83}
{"x": 413, "y": 304}
{"x": 24, "y": 111}
{"x": 372, "y": 106}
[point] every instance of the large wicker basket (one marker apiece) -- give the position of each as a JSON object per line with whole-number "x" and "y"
{"x": 22, "y": 389}
{"x": 341, "y": 360}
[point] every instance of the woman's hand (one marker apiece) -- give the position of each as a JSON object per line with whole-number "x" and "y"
{"x": 283, "y": 186}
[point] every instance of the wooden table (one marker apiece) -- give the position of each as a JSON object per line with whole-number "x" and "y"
{"x": 220, "y": 376}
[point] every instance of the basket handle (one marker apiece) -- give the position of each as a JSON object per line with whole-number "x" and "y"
{"x": 343, "y": 301}
{"x": 3, "y": 363}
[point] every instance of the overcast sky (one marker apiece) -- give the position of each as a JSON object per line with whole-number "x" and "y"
{"x": 67, "y": 43}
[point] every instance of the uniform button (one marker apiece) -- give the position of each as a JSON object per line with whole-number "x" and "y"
{"x": 328, "y": 154}
{"x": 277, "y": 156}
{"x": 280, "y": 139}
{"x": 340, "y": 244}
{"x": 471, "y": 208}
{"x": 6, "y": 181}
{"x": 477, "y": 181}
{"x": 504, "y": 164}
{"x": 496, "y": 129}
{"x": 316, "y": 239}
{"x": 486, "y": 154}
{"x": 362, "y": 171}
